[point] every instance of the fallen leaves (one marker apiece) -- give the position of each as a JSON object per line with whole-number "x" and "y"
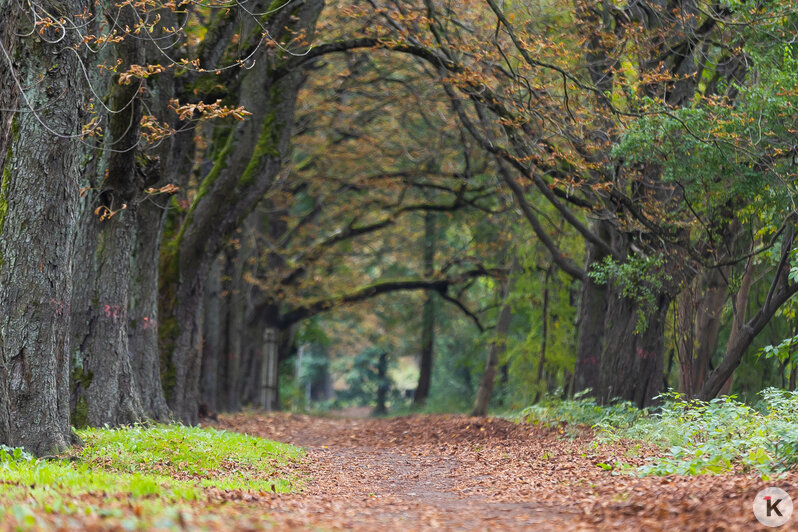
{"x": 455, "y": 472}
{"x": 450, "y": 473}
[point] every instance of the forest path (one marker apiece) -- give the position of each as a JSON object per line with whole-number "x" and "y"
{"x": 460, "y": 473}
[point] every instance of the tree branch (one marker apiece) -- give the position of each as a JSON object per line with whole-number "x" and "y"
{"x": 383, "y": 287}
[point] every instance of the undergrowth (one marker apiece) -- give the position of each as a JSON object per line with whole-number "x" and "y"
{"x": 143, "y": 476}
{"x": 697, "y": 437}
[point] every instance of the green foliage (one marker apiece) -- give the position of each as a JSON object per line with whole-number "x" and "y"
{"x": 640, "y": 279}
{"x": 783, "y": 352}
{"x": 584, "y": 411}
{"x": 139, "y": 465}
{"x": 14, "y": 454}
{"x": 716, "y": 436}
{"x": 699, "y": 437}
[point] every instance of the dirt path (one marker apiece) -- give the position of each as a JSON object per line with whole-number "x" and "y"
{"x": 460, "y": 473}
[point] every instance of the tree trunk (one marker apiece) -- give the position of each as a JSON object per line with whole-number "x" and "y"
{"x": 237, "y": 363}
{"x": 427, "y": 348}
{"x": 382, "y": 385}
{"x": 544, "y": 317}
{"x": 485, "y": 390}
{"x": 699, "y": 312}
{"x": 743, "y": 332}
{"x": 40, "y": 173}
{"x": 106, "y": 390}
{"x": 244, "y": 169}
{"x": 172, "y": 162}
{"x": 186, "y": 357}
{"x": 143, "y": 316}
{"x": 212, "y": 348}
{"x": 592, "y": 310}
{"x": 632, "y": 363}
{"x": 428, "y": 316}
{"x": 107, "y": 387}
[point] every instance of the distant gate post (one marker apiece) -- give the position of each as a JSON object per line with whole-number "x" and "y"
{"x": 268, "y": 370}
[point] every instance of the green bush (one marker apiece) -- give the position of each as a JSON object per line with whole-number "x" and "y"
{"x": 698, "y": 437}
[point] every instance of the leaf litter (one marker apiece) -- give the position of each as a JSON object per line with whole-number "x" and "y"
{"x": 441, "y": 472}
{"x": 426, "y": 472}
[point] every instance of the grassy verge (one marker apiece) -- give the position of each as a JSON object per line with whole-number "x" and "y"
{"x": 161, "y": 476}
{"x": 697, "y": 437}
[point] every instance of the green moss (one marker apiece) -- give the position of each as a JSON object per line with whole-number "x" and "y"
{"x": 82, "y": 379}
{"x": 7, "y": 176}
{"x": 168, "y": 328}
{"x": 80, "y": 414}
{"x": 272, "y": 10}
{"x": 4, "y": 192}
{"x": 219, "y": 164}
{"x": 266, "y": 147}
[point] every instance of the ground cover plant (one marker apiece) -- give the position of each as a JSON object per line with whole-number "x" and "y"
{"x": 718, "y": 436}
{"x": 140, "y": 477}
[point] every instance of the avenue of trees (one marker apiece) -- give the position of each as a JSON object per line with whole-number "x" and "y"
{"x": 555, "y": 196}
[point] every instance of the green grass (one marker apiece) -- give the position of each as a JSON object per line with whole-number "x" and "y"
{"x": 697, "y": 437}
{"x": 141, "y": 476}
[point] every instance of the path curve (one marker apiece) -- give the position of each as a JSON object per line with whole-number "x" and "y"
{"x": 461, "y": 473}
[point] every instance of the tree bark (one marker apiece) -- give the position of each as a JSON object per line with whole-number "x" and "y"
{"x": 40, "y": 172}
{"x": 382, "y": 385}
{"x": 699, "y": 315}
{"x": 105, "y": 389}
{"x": 743, "y": 332}
{"x": 427, "y": 350}
{"x": 544, "y": 333}
{"x": 632, "y": 363}
{"x": 427, "y": 315}
{"x": 171, "y": 164}
{"x": 212, "y": 348}
{"x": 485, "y": 390}
{"x": 245, "y": 168}
{"x": 239, "y": 365}
{"x": 143, "y": 314}
{"x": 592, "y": 310}
{"x": 268, "y": 370}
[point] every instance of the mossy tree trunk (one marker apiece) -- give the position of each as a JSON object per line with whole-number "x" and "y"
{"x": 40, "y": 169}
{"x": 244, "y": 169}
